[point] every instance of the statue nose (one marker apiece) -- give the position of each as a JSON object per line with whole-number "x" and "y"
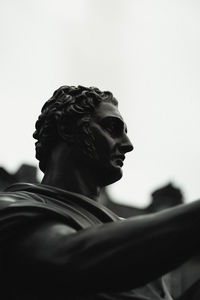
{"x": 126, "y": 145}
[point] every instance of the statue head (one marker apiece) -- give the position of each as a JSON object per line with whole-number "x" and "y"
{"x": 69, "y": 110}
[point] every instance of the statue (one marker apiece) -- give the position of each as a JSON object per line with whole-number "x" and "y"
{"x": 58, "y": 242}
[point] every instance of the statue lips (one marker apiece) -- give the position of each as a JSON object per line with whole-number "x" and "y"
{"x": 119, "y": 158}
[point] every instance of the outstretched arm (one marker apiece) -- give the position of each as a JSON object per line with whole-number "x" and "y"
{"x": 99, "y": 259}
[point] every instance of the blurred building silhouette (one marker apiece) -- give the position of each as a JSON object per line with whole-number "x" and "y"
{"x": 25, "y": 173}
{"x": 165, "y": 197}
{"x": 162, "y": 198}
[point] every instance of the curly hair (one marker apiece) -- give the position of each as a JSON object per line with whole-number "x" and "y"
{"x": 71, "y": 108}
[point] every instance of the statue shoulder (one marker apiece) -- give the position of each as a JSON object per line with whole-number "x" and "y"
{"x": 7, "y": 199}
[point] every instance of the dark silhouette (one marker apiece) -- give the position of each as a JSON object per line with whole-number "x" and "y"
{"x": 58, "y": 242}
{"x": 164, "y": 197}
{"x": 25, "y": 173}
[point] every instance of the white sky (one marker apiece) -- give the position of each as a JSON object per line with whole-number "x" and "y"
{"x": 145, "y": 51}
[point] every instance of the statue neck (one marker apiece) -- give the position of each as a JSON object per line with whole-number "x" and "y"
{"x": 65, "y": 173}
{"x": 75, "y": 181}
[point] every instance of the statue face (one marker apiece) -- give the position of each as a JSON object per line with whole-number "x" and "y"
{"x": 111, "y": 143}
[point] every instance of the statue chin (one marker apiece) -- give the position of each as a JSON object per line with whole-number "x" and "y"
{"x": 103, "y": 174}
{"x": 109, "y": 177}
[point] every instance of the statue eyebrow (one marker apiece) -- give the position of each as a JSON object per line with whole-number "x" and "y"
{"x": 115, "y": 119}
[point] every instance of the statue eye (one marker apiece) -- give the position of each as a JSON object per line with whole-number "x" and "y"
{"x": 112, "y": 127}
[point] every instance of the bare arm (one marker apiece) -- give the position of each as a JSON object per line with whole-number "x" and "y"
{"x": 99, "y": 259}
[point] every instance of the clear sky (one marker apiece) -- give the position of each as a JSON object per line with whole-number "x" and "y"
{"x": 145, "y": 51}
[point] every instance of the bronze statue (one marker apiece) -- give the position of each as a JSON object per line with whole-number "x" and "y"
{"x": 57, "y": 242}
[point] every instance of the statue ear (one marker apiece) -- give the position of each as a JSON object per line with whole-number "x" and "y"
{"x": 66, "y": 131}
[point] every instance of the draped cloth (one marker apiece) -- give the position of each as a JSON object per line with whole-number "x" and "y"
{"x": 23, "y": 205}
